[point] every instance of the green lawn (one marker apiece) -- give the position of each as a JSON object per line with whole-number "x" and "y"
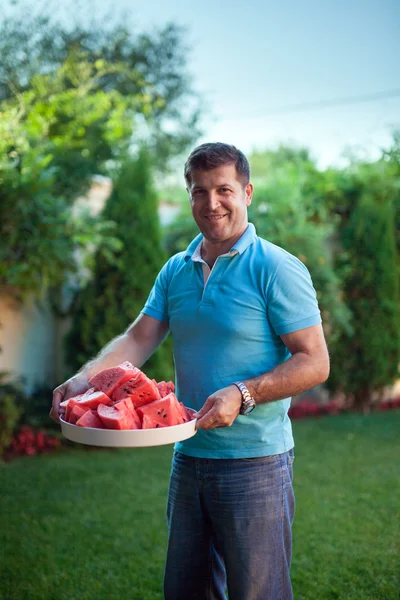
{"x": 83, "y": 525}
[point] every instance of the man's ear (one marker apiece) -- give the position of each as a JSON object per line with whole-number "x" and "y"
{"x": 249, "y": 193}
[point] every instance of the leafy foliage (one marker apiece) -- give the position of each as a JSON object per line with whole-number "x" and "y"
{"x": 370, "y": 357}
{"x": 49, "y": 139}
{"x": 11, "y": 407}
{"x": 119, "y": 287}
{"x": 73, "y": 101}
{"x": 154, "y": 72}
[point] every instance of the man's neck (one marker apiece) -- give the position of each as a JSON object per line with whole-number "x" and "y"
{"x": 210, "y": 251}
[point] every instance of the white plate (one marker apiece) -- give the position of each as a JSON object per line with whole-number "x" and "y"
{"x": 128, "y": 438}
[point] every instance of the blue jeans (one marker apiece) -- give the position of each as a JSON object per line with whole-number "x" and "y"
{"x": 230, "y": 526}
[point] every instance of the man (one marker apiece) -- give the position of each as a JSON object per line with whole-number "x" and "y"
{"x": 247, "y": 336}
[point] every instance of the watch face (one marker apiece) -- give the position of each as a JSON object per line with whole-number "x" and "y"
{"x": 247, "y": 409}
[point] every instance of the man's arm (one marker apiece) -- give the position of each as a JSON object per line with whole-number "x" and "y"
{"x": 307, "y": 367}
{"x": 136, "y": 345}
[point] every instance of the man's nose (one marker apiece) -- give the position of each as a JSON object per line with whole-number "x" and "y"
{"x": 212, "y": 201}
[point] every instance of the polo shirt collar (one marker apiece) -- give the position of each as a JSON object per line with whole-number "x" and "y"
{"x": 247, "y": 238}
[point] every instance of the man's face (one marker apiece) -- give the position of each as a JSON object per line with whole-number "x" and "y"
{"x": 219, "y": 202}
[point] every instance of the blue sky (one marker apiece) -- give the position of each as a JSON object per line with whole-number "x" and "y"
{"x": 248, "y": 58}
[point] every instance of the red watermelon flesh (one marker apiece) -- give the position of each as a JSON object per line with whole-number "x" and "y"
{"x": 64, "y": 404}
{"x": 150, "y": 423}
{"x": 129, "y": 388}
{"x": 127, "y": 406}
{"x": 166, "y": 410}
{"x": 92, "y": 399}
{"x": 170, "y": 387}
{"x": 77, "y": 412}
{"x": 90, "y": 419}
{"x": 162, "y": 388}
{"x": 126, "y": 388}
{"x": 115, "y": 419}
{"x": 109, "y": 379}
{"x": 145, "y": 393}
{"x": 185, "y": 414}
{"x": 68, "y": 409}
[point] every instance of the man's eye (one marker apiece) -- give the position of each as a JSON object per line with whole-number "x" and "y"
{"x": 224, "y": 190}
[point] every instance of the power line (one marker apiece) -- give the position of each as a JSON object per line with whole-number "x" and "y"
{"x": 305, "y": 106}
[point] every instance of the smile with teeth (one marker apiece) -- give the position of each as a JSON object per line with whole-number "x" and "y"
{"x": 215, "y": 217}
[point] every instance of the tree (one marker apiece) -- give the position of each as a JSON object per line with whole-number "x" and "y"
{"x": 155, "y": 72}
{"x": 49, "y": 139}
{"x": 368, "y": 360}
{"x": 119, "y": 287}
{"x": 289, "y": 210}
{"x": 72, "y": 103}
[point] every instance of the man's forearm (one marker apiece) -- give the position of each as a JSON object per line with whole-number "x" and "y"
{"x": 115, "y": 352}
{"x": 136, "y": 345}
{"x": 296, "y": 375}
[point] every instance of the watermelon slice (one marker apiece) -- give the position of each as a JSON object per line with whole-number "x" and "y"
{"x": 164, "y": 411}
{"x": 109, "y": 379}
{"x": 162, "y": 388}
{"x": 140, "y": 388}
{"x": 127, "y": 406}
{"x": 68, "y": 409}
{"x": 184, "y": 412}
{"x": 90, "y": 419}
{"x": 92, "y": 399}
{"x": 150, "y": 423}
{"x": 64, "y": 404}
{"x": 77, "y": 412}
{"x": 115, "y": 419}
{"x": 145, "y": 393}
{"x": 170, "y": 386}
{"x": 165, "y": 388}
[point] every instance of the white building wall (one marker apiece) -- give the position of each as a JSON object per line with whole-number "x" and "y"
{"x": 27, "y": 341}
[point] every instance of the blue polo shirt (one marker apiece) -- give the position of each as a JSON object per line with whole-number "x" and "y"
{"x": 228, "y": 330}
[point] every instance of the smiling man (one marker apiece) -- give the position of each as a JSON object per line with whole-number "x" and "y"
{"x": 247, "y": 335}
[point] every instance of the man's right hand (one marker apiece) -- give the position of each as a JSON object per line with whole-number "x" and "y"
{"x": 78, "y": 384}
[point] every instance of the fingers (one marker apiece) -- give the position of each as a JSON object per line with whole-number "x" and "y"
{"x": 58, "y": 396}
{"x": 212, "y": 415}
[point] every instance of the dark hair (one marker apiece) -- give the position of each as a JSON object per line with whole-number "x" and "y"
{"x": 216, "y": 154}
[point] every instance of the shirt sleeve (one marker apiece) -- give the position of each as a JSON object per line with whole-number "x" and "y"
{"x": 292, "y": 300}
{"x": 156, "y": 305}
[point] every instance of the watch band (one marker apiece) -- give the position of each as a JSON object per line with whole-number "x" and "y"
{"x": 248, "y": 402}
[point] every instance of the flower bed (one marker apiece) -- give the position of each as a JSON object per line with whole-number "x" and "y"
{"x": 307, "y": 408}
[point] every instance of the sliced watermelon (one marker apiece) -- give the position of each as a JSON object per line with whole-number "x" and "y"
{"x": 141, "y": 389}
{"x": 184, "y": 412}
{"x": 145, "y": 393}
{"x": 130, "y": 388}
{"x": 170, "y": 386}
{"x": 150, "y": 423}
{"x": 68, "y": 408}
{"x": 109, "y": 379}
{"x": 92, "y": 399}
{"x": 126, "y": 388}
{"x": 77, "y": 412}
{"x": 90, "y": 419}
{"x": 64, "y": 404}
{"x": 115, "y": 419}
{"x": 164, "y": 411}
{"x": 163, "y": 388}
{"x": 127, "y": 406}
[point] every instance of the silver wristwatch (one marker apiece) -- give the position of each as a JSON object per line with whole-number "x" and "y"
{"x": 248, "y": 402}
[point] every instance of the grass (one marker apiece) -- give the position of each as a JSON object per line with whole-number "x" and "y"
{"x": 90, "y": 525}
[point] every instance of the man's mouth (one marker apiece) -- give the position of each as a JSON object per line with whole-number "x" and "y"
{"x": 215, "y": 217}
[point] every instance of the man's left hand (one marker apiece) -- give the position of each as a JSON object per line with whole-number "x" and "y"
{"x": 220, "y": 409}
